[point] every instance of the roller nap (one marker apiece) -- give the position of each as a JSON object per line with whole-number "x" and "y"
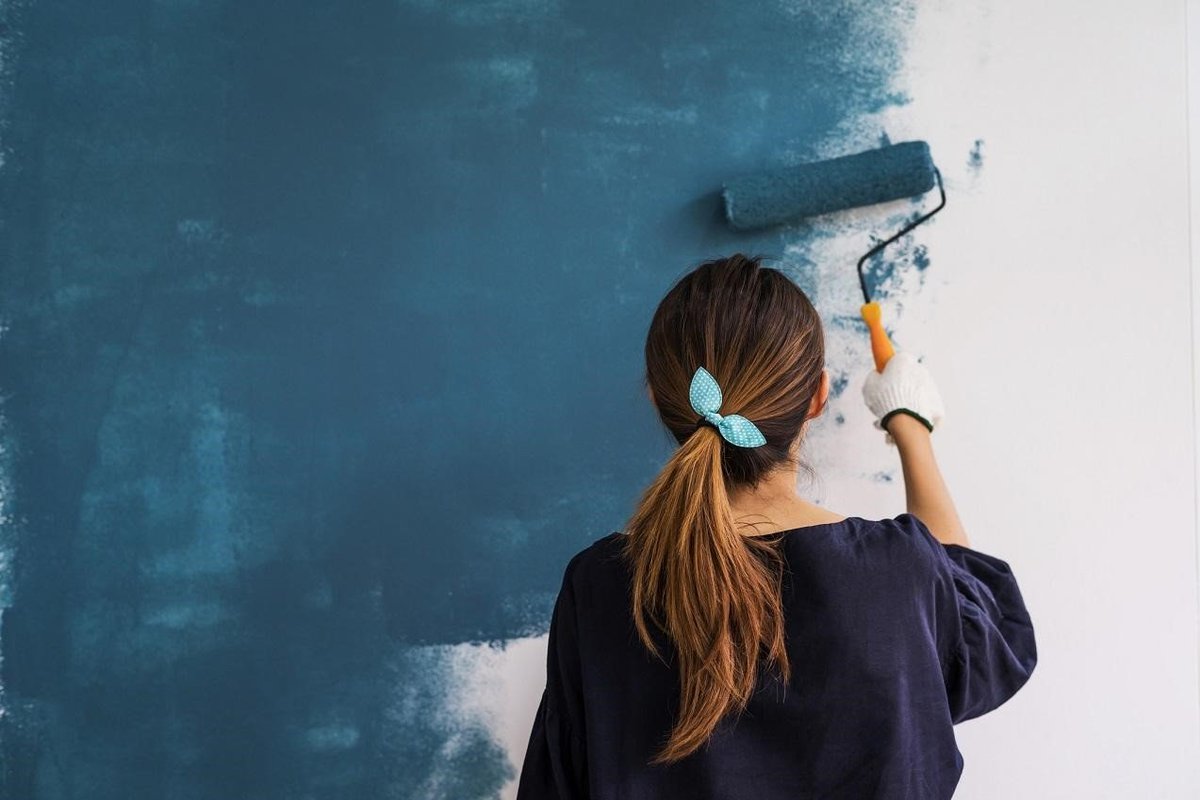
{"x": 806, "y": 190}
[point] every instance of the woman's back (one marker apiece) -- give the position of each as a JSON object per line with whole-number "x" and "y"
{"x": 893, "y": 637}
{"x": 691, "y": 660}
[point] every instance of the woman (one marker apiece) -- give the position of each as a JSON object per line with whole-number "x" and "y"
{"x": 737, "y": 641}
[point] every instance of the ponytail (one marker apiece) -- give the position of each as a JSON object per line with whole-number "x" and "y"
{"x": 713, "y": 590}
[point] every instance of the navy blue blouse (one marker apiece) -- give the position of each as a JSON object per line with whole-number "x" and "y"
{"x": 893, "y": 638}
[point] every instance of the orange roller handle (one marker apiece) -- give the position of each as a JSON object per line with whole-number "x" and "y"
{"x": 881, "y": 345}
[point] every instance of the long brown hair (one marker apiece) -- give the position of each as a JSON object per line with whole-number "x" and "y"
{"x": 714, "y": 590}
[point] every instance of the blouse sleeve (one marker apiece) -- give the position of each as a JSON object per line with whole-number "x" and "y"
{"x": 984, "y": 632}
{"x": 555, "y": 766}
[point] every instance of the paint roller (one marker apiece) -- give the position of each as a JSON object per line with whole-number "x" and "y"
{"x": 886, "y": 173}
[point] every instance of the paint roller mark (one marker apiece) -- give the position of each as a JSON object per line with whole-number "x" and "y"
{"x": 8, "y": 532}
{"x": 886, "y": 272}
{"x": 200, "y": 232}
{"x": 890, "y": 99}
{"x": 332, "y": 737}
{"x": 490, "y": 12}
{"x": 920, "y": 258}
{"x": 850, "y": 322}
{"x": 975, "y": 157}
{"x": 644, "y": 114}
{"x": 502, "y": 84}
{"x": 683, "y": 54}
{"x": 839, "y": 384}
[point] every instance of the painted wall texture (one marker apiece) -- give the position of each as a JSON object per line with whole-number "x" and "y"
{"x": 321, "y": 354}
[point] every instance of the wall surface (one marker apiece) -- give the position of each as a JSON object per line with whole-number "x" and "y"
{"x": 320, "y": 355}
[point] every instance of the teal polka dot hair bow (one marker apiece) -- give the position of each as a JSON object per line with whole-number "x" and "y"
{"x": 705, "y": 396}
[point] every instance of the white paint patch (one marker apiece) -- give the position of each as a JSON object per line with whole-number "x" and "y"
{"x": 481, "y": 686}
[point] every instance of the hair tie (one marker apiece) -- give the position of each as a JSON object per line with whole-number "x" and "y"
{"x": 705, "y": 397}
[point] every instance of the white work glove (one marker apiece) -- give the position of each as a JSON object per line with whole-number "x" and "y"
{"x": 904, "y": 386}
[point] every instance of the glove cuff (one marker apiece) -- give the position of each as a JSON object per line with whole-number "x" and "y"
{"x": 883, "y": 421}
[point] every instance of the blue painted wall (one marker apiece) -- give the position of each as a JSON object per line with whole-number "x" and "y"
{"x": 323, "y": 330}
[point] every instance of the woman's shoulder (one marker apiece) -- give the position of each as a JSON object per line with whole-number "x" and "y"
{"x": 906, "y": 532}
{"x": 602, "y": 552}
{"x": 899, "y": 543}
{"x": 908, "y": 540}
